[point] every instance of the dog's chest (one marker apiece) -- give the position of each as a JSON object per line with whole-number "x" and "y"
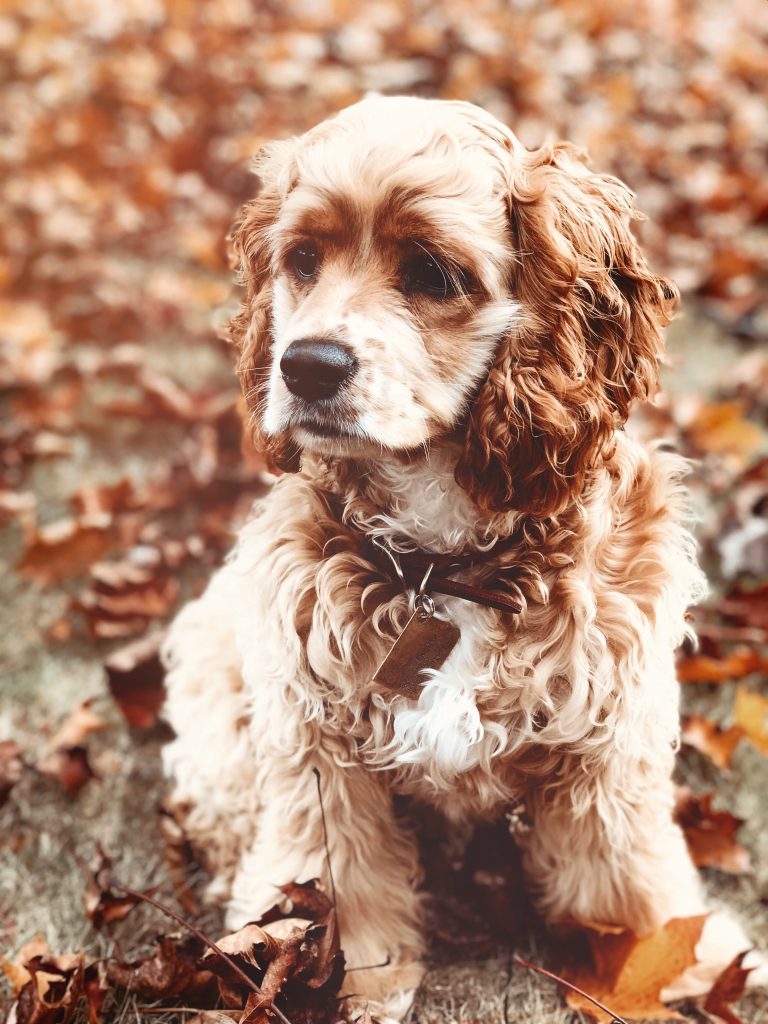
{"x": 435, "y": 733}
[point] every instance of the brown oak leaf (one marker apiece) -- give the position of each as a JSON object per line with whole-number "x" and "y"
{"x": 710, "y": 834}
{"x": 628, "y": 973}
{"x": 712, "y": 740}
{"x": 750, "y": 713}
{"x": 135, "y": 677}
{"x": 728, "y": 988}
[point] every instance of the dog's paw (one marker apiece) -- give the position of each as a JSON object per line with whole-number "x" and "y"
{"x": 384, "y": 993}
{"x": 722, "y": 939}
{"x": 365, "y": 1011}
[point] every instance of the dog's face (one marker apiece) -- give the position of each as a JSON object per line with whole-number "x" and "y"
{"x": 412, "y": 273}
{"x": 390, "y": 259}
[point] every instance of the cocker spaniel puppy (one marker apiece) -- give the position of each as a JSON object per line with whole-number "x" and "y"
{"x": 468, "y": 584}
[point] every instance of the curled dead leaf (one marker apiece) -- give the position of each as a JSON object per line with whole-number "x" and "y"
{"x": 52, "y": 993}
{"x": 102, "y": 904}
{"x": 15, "y": 971}
{"x": 171, "y": 971}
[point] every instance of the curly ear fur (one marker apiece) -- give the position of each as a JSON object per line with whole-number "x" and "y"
{"x": 250, "y": 330}
{"x": 590, "y": 344}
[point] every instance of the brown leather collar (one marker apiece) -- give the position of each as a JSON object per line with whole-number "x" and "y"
{"x": 415, "y": 565}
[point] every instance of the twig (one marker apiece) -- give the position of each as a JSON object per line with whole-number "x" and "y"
{"x": 158, "y": 1010}
{"x": 325, "y": 836}
{"x": 505, "y": 1007}
{"x": 556, "y": 977}
{"x": 369, "y": 967}
{"x": 249, "y": 982}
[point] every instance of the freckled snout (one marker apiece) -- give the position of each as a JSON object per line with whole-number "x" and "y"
{"x": 315, "y": 369}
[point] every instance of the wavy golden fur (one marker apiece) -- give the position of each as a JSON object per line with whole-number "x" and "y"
{"x": 487, "y": 320}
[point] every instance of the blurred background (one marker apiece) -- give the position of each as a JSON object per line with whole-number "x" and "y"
{"x": 126, "y": 130}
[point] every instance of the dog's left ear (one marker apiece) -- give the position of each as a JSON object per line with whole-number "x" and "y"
{"x": 250, "y": 330}
{"x": 589, "y": 341}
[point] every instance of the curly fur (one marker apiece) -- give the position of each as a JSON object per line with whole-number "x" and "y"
{"x": 492, "y": 413}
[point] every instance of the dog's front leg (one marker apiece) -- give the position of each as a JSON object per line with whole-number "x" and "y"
{"x": 373, "y": 859}
{"x": 603, "y": 848}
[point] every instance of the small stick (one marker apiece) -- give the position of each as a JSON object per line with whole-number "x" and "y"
{"x": 370, "y": 967}
{"x": 325, "y": 835}
{"x": 158, "y": 1010}
{"x": 556, "y": 977}
{"x": 135, "y": 894}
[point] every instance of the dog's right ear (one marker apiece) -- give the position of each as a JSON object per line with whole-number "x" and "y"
{"x": 250, "y": 330}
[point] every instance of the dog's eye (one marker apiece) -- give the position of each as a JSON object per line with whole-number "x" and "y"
{"x": 424, "y": 273}
{"x": 304, "y": 260}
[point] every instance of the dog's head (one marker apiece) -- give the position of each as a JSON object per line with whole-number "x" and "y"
{"x": 412, "y": 272}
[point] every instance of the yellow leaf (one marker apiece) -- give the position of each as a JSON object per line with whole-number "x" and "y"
{"x": 750, "y": 712}
{"x": 628, "y": 973}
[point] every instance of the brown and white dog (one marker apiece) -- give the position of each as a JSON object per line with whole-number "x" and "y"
{"x": 441, "y": 337}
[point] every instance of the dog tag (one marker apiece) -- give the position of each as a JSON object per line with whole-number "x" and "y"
{"x": 425, "y": 642}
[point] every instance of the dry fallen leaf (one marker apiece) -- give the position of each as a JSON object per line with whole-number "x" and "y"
{"x": 69, "y": 766}
{"x": 171, "y": 971}
{"x": 728, "y": 988}
{"x": 102, "y": 904}
{"x": 15, "y": 971}
{"x": 710, "y": 739}
{"x": 96, "y": 989}
{"x": 701, "y": 668}
{"x": 52, "y": 993}
{"x": 125, "y": 598}
{"x": 92, "y": 500}
{"x": 721, "y": 428}
{"x": 65, "y": 548}
{"x": 628, "y": 973}
{"x": 179, "y": 858}
{"x": 710, "y": 834}
{"x": 80, "y": 724}
{"x": 11, "y": 767}
{"x": 135, "y": 677}
{"x": 297, "y": 956}
{"x": 750, "y": 713}
{"x": 746, "y": 607}
{"x": 66, "y": 759}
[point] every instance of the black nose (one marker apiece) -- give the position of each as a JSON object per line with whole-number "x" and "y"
{"x": 315, "y": 369}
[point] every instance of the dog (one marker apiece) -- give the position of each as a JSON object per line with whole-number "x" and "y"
{"x": 468, "y": 582}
